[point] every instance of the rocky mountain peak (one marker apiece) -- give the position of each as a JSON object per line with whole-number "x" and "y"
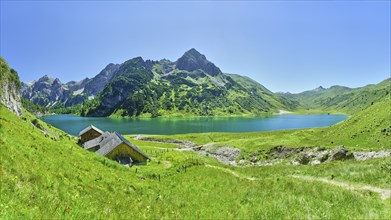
{"x": 194, "y": 60}
{"x": 57, "y": 82}
{"x": 44, "y": 78}
{"x": 139, "y": 61}
{"x": 194, "y": 52}
{"x": 320, "y": 88}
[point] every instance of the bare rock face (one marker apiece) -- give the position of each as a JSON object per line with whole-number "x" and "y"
{"x": 97, "y": 84}
{"x": 193, "y": 60}
{"x": 75, "y": 86}
{"x": 10, "y": 88}
{"x": 11, "y": 99}
{"x": 229, "y": 154}
{"x": 45, "y": 91}
{"x": 371, "y": 155}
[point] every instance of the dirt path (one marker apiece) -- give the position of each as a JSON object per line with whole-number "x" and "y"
{"x": 384, "y": 193}
{"x": 170, "y": 149}
{"x": 233, "y": 173}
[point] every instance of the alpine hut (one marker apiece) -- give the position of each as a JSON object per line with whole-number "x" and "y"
{"x": 116, "y": 147}
{"x": 89, "y": 133}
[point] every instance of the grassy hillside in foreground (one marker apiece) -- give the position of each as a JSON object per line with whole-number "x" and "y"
{"x": 46, "y": 178}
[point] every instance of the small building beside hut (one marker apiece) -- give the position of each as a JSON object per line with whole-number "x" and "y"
{"x": 89, "y": 133}
{"x": 116, "y": 147}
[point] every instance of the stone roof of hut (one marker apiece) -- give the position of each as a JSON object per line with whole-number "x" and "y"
{"x": 112, "y": 141}
{"x": 96, "y": 141}
{"x": 89, "y": 128}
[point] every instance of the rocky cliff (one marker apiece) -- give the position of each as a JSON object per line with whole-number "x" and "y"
{"x": 46, "y": 91}
{"x": 96, "y": 84}
{"x": 51, "y": 92}
{"x": 10, "y": 87}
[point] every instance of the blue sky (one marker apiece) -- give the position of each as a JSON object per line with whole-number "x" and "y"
{"x": 284, "y": 45}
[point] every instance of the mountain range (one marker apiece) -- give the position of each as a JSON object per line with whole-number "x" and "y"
{"x": 50, "y": 92}
{"x": 341, "y": 98}
{"x": 192, "y": 85}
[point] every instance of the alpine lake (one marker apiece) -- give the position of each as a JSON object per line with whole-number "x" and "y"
{"x": 165, "y": 126}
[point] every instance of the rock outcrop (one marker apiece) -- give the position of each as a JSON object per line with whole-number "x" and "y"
{"x": 371, "y": 155}
{"x": 339, "y": 153}
{"x": 310, "y": 156}
{"x": 10, "y": 87}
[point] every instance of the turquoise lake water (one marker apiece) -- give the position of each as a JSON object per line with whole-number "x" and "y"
{"x": 74, "y": 124}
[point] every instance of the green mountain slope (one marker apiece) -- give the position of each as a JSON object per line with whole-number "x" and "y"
{"x": 370, "y": 127}
{"x": 277, "y": 100}
{"x": 343, "y": 99}
{"x": 190, "y": 86}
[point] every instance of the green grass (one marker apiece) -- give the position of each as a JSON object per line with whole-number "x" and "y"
{"x": 231, "y": 197}
{"x": 343, "y": 99}
{"x": 375, "y": 172}
{"x": 367, "y": 130}
{"x": 46, "y": 178}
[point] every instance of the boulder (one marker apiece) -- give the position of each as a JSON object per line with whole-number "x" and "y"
{"x": 254, "y": 159}
{"x": 303, "y": 159}
{"x": 284, "y": 152}
{"x": 340, "y": 153}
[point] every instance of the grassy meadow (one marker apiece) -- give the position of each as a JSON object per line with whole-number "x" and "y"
{"x": 365, "y": 131}
{"x": 45, "y": 174}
